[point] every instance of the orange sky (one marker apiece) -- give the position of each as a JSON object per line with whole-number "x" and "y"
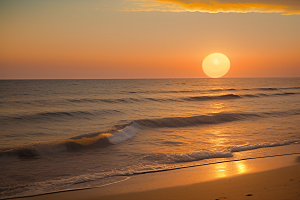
{"x": 147, "y": 38}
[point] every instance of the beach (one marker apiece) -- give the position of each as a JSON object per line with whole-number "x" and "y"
{"x": 149, "y": 99}
{"x": 276, "y": 177}
{"x": 144, "y": 135}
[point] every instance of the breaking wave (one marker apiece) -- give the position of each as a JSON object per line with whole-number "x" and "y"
{"x": 264, "y": 145}
{"x": 118, "y": 134}
{"x": 86, "y": 141}
{"x": 201, "y": 155}
{"x": 186, "y": 157}
{"x": 121, "y": 133}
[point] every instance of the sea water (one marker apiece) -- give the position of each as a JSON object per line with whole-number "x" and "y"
{"x": 58, "y": 135}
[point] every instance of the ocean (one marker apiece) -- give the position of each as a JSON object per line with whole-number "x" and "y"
{"x": 58, "y": 135}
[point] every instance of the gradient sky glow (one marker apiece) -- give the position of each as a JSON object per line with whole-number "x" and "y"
{"x": 147, "y": 38}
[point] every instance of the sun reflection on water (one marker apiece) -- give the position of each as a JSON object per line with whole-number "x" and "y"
{"x": 218, "y": 139}
{"x": 230, "y": 168}
{"x": 241, "y": 167}
{"x": 221, "y": 170}
{"x": 217, "y": 107}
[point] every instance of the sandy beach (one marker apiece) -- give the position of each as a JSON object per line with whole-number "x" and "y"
{"x": 263, "y": 178}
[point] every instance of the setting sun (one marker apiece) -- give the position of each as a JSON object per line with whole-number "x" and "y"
{"x": 106, "y": 99}
{"x": 216, "y": 65}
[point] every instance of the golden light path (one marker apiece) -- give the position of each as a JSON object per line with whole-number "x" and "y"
{"x": 216, "y": 65}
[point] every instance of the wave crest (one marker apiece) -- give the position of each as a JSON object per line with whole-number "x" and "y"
{"x": 264, "y": 145}
{"x": 194, "y": 120}
{"x": 95, "y": 140}
{"x": 59, "y": 115}
{"x": 205, "y": 98}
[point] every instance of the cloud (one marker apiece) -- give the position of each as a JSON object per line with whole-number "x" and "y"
{"x": 239, "y": 6}
{"x": 151, "y": 5}
{"x": 286, "y": 7}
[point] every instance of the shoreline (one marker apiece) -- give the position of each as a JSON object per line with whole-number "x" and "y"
{"x": 143, "y": 186}
{"x": 282, "y": 183}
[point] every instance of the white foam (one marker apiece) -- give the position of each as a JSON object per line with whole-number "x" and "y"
{"x": 194, "y": 156}
{"x": 257, "y": 146}
{"x": 124, "y": 134}
{"x": 187, "y": 157}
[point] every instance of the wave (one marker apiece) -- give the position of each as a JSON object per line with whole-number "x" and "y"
{"x": 82, "y": 142}
{"x": 121, "y": 133}
{"x": 215, "y": 118}
{"x": 221, "y": 90}
{"x": 267, "y": 88}
{"x": 105, "y": 178}
{"x": 251, "y": 95}
{"x": 285, "y": 93}
{"x": 263, "y": 89}
{"x": 281, "y": 113}
{"x": 124, "y": 134}
{"x": 212, "y": 90}
{"x": 67, "y": 101}
{"x": 186, "y": 157}
{"x": 44, "y": 116}
{"x": 102, "y": 179}
{"x": 201, "y": 155}
{"x": 116, "y": 135}
{"x": 204, "y": 98}
{"x": 264, "y": 145}
{"x": 70, "y": 183}
{"x": 235, "y": 96}
{"x": 192, "y": 98}
{"x": 291, "y": 88}
{"x": 121, "y": 100}
{"x": 228, "y": 96}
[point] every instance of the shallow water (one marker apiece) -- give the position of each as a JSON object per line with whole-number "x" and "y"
{"x": 65, "y": 134}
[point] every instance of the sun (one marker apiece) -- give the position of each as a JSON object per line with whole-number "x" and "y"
{"x": 216, "y": 65}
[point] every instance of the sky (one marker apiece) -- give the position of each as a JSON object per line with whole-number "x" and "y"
{"x": 125, "y": 39}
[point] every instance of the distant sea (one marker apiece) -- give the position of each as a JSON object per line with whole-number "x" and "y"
{"x": 58, "y": 135}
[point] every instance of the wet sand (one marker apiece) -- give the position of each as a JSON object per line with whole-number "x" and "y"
{"x": 263, "y": 178}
